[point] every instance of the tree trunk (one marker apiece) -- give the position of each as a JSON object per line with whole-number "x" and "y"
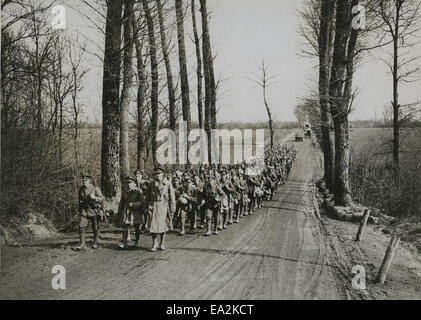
{"x": 164, "y": 44}
{"x": 141, "y": 95}
{"x": 339, "y": 106}
{"x": 184, "y": 78}
{"x": 110, "y": 169}
{"x": 213, "y": 89}
{"x": 199, "y": 67}
{"x": 206, "y": 70}
{"x": 325, "y": 45}
{"x": 125, "y": 93}
{"x": 267, "y": 105}
{"x": 75, "y": 116}
{"x": 154, "y": 76}
{"x": 342, "y": 191}
{"x": 396, "y": 128}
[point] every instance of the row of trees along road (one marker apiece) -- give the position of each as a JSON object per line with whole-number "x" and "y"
{"x": 145, "y": 87}
{"x": 339, "y": 33}
{"x": 139, "y": 22}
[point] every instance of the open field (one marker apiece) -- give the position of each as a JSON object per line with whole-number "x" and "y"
{"x": 372, "y": 172}
{"x": 380, "y": 141}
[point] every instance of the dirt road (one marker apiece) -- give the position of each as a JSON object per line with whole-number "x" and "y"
{"x": 277, "y": 253}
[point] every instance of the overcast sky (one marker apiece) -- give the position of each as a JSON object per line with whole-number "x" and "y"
{"x": 243, "y": 32}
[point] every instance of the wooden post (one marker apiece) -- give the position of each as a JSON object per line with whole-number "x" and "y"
{"x": 362, "y": 225}
{"x": 315, "y": 202}
{"x": 390, "y": 252}
{"x": 1, "y": 247}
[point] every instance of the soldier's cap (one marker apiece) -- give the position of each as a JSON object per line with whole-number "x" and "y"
{"x": 159, "y": 170}
{"x": 138, "y": 171}
{"x": 86, "y": 175}
{"x": 130, "y": 178}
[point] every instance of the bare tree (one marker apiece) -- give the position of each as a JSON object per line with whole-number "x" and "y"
{"x": 401, "y": 19}
{"x": 141, "y": 92}
{"x": 110, "y": 160}
{"x": 125, "y": 93}
{"x": 184, "y": 78}
{"x": 341, "y": 97}
{"x": 264, "y": 82}
{"x": 210, "y": 109}
{"x": 76, "y": 58}
{"x": 199, "y": 66}
{"x": 60, "y": 86}
{"x": 325, "y": 46}
{"x": 165, "y": 50}
{"x": 155, "y": 77}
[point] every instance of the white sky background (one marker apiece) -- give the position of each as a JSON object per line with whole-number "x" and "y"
{"x": 243, "y": 32}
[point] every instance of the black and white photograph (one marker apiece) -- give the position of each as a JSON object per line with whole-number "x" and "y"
{"x": 210, "y": 154}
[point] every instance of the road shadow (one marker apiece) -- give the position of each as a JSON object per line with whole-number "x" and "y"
{"x": 255, "y": 254}
{"x": 296, "y": 203}
{"x": 284, "y": 208}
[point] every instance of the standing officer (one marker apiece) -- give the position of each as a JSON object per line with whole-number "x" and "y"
{"x": 188, "y": 205}
{"x": 90, "y": 201}
{"x": 161, "y": 200}
{"x": 130, "y": 211}
{"x": 212, "y": 194}
{"x": 243, "y": 187}
{"x": 227, "y": 200}
{"x": 200, "y": 201}
{"x": 142, "y": 184}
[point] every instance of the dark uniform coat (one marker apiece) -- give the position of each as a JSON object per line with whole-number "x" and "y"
{"x": 87, "y": 206}
{"x": 132, "y": 215}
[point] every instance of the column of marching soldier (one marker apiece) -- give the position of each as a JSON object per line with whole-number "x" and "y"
{"x": 208, "y": 198}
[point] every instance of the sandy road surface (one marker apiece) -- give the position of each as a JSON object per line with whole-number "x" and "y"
{"x": 277, "y": 253}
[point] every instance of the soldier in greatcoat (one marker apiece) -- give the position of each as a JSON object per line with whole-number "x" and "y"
{"x": 161, "y": 199}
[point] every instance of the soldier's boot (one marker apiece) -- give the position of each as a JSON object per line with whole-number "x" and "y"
{"x": 96, "y": 239}
{"x": 237, "y": 215}
{"x": 230, "y": 214}
{"x": 137, "y": 235}
{"x": 82, "y": 238}
{"x": 224, "y": 219}
{"x": 251, "y": 206}
{"x": 245, "y": 213}
{"x": 123, "y": 244}
{"x": 216, "y": 221}
{"x": 183, "y": 224}
{"x": 193, "y": 224}
{"x": 208, "y": 227}
{"x": 162, "y": 244}
{"x": 155, "y": 243}
{"x": 220, "y": 226}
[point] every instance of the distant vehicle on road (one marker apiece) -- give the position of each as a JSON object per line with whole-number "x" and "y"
{"x": 307, "y": 130}
{"x": 298, "y": 137}
{"x": 307, "y": 134}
